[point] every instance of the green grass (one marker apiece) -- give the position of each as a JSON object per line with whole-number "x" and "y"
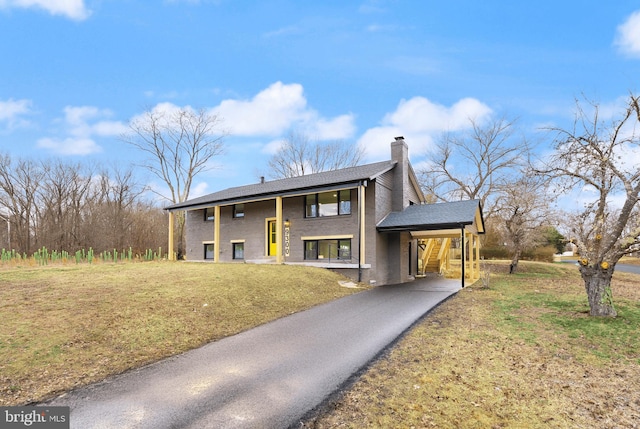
{"x": 68, "y": 325}
{"x": 521, "y": 354}
{"x": 566, "y": 312}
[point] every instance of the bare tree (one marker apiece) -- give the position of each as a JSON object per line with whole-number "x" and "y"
{"x": 522, "y": 211}
{"x": 111, "y": 210}
{"x": 63, "y": 196}
{"x": 19, "y": 185}
{"x": 65, "y": 206}
{"x": 599, "y": 155}
{"x": 474, "y": 165}
{"x": 178, "y": 146}
{"x": 299, "y": 155}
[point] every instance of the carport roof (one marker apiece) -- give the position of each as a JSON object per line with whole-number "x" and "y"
{"x": 432, "y": 217}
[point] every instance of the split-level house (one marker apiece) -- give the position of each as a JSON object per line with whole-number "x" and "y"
{"x": 369, "y": 222}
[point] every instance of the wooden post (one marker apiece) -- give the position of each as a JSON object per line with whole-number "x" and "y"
{"x": 216, "y": 234}
{"x": 170, "y": 247}
{"x": 279, "y": 223}
{"x": 472, "y": 267}
{"x": 478, "y": 253}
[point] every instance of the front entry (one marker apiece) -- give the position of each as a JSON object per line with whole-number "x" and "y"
{"x": 271, "y": 238}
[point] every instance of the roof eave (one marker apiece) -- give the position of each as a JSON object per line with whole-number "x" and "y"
{"x": 266, "y": 196}
{"x": 423, "y": 227}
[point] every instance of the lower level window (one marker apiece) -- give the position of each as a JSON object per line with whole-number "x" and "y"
{"x": 208, "y": 251}
{"x": 327, "y": 249}
{"x": 238, "y": 250}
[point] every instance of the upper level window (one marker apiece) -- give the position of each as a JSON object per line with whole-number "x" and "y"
{"x": 328, "y": 204}
{"x": 209, "y": 214}
{"x": 238, "y": 210}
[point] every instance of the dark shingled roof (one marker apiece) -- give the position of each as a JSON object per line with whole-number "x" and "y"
{"x": 283, "y": 186}
{"x": 431, "y": 217}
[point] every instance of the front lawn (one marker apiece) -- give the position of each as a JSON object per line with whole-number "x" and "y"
{"x": 68, "y": 325}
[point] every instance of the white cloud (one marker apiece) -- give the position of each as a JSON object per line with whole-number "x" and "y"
{"x": 277, "y": 109}
{"x": 284, "y": 31}
{"x": 270, "y": 112}
{"x": 73, "y": 9}
{"x": 200, "y": 189}
{"x": 11, "y": 112}
{"x": 78, "y": 120}
{"x": 628, "y": 36}
{"x": 70, "y": 146}
{"x": 332, "y": 129}
{"x": 82, "y": 123}
{"x": 273, "y": 146}
{"x": 419, "y": 120}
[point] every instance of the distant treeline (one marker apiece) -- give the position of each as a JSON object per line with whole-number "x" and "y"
{"x": 57, "y": 205}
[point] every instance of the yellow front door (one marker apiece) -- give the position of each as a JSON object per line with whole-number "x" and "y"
{"x": 271, "y": 237}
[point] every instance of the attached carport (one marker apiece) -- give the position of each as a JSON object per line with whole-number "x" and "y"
{"x": 436, "y": 226}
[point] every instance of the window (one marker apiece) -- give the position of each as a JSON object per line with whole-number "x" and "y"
{"x": 310, "y": 250}
{"x": 311, "y": 203}
{"x": 327, "y": 249}
{"x": 238, "y": 210}
{"x": 208, "y": 251}
{"x": 328, "y": 204}
{"x": 209, "y": 214}
{"x": 345, "y": 202}
{"x": 238, "y": 250}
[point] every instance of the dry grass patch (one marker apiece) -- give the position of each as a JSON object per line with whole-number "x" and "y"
{"x": 65, "y": 326}
{"x": 522, "y": 353}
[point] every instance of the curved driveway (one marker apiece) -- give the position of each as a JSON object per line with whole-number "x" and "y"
{"x": 267, "y": 377}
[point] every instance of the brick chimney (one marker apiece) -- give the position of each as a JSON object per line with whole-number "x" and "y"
{"x": 400, "y": 154}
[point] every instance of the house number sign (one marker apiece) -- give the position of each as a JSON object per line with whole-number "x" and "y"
{"x": 286, "y": 241}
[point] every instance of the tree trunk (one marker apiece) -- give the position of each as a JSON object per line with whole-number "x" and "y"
{"x": 514, "y": 262}
{"x": 597, "y": 282}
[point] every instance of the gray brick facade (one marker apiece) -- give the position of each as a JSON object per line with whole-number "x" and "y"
{"x": 388, "y": 186}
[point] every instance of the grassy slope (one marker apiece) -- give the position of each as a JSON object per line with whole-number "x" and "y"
{"x": 521, "y": 354}
{"x": 64, "y": 326}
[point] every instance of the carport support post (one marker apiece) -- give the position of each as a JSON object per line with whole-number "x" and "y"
{"x": 477, "y": 248}
{"x": 472, "y": 265}
{"x": 462, "y": 255}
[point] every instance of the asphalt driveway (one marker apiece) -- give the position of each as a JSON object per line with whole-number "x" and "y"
{"x": 267, "y": 377}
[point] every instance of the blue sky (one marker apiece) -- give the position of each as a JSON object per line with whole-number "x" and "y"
{"x": 74, "y": 72}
